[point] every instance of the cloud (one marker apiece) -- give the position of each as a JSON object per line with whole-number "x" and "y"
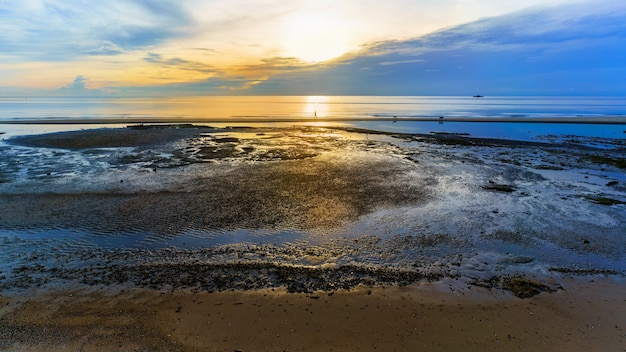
{"x": 389, "y": 63}
{"x": 179, "y": 63}
{"x": 78, "y": 84}
{"x": 535, "y": 51}
{"x": 52, "y": 30}
{"x": 232, "y": 46}
{"x": 229, "y": 85}
{"x": 560, "y": 50}
{"x": 78, "y": 87}
{"x": 273, "y": 65}
{"x": 154, "y": 58}
{"x": 106, "y": 48}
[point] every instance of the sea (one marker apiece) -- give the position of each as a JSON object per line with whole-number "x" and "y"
{"x": 507, "y": 117}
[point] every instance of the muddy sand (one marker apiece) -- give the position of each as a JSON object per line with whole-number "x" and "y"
{"x": 181, "y": 237}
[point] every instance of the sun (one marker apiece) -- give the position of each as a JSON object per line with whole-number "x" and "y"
{"x": 315, "y": 37}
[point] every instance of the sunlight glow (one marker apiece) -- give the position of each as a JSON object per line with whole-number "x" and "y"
{"x": 316, "y": 106}
{"x": 315, "y": 37}
{"x": 288, "y": 47}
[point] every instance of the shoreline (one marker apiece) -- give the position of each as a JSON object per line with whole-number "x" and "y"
{"x": 604, "y": 120}
{"x": 588, "y": 314}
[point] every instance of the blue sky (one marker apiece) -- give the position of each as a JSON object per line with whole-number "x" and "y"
{"x": 349, "y": 47}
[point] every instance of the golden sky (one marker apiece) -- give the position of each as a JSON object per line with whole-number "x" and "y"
{"x": 51, "y": 44}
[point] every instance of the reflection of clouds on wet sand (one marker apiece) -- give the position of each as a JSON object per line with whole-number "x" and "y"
{"x": 275, "y": 180}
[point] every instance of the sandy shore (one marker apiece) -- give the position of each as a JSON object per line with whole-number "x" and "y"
{"x": 587, "y": 315}
{"x": 180, "y": 238}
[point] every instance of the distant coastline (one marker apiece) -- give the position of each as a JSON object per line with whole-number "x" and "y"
{"x": 608, "y": 120}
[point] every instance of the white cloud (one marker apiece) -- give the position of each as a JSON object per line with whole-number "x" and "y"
{"x": 106, "y": 48}
{"x": 78, "y": 84}
{"x": 233, "y": 23}
{"x": 389, "y": 63}
{"x": 238, "y": 32}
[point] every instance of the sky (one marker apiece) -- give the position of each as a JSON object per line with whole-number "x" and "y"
{"x": 321, "y": 47}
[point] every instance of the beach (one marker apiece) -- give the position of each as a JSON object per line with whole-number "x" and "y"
{"x": 180, "y": 237}
{"x": 237, "y": 176}
{"x": 586, "y": 315}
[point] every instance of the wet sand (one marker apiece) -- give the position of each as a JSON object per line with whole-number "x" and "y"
{"x": 407, "y": 242}
{"x": 587, "y": 315}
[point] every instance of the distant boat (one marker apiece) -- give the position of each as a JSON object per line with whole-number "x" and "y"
{"x": 479, "y": 96}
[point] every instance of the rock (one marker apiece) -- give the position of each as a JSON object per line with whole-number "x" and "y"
{"x": 499, "y": 187}
{"x": 520, "y": 286}
{"x": 604, "y": 200}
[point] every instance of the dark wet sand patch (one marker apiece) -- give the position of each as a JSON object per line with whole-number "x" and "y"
{"x": 520, "y": 286}
{"x": 132, "y": 136}
{"x": 301, "y": 194}
{"x": 618, "y": 162}
{"x": 145, "y": 135}
{"x": 604, "y": 200}
{"x": 499, "y": 187}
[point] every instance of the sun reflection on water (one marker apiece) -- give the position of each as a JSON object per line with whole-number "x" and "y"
{"x": 316, "y": 106}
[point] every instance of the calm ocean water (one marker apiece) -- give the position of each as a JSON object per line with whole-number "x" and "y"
{"x": 366, "y": 109}
{"x": 307, "y": 106}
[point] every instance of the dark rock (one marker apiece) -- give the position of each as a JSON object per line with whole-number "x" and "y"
{"x": 499, "y": 187}
{"x": 227, "y": 140}
{"x": 520, "y": 286}
{"x": 604, "y": 200}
